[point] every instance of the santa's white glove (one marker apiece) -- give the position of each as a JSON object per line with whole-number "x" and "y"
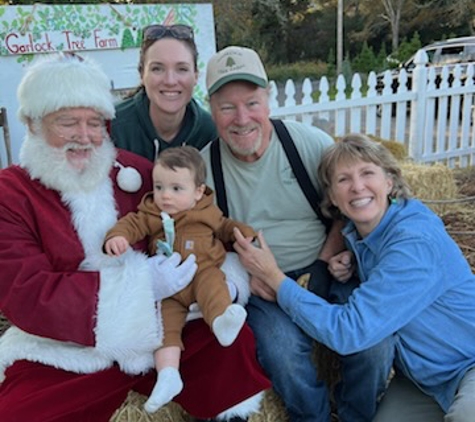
{"x": 169, "y": 276}
{"x": 194, "y": 311}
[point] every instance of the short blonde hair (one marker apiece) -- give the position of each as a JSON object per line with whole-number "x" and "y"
{"x": 358, "y": 147}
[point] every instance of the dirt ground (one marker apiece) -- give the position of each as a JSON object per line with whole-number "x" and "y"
{"x": 460, "y": 222}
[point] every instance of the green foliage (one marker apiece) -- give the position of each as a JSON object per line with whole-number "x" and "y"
{"x": 347, "y": 69}
{"x": 407, "y": 48}
{"x": 58, "y": 2}
{"x": 381, "y": 59}
{"x": 331, "y": 63}
{"x": 303, "y": 31}
{"x": 297, "y": 71}
{"x": 365, "y": 61}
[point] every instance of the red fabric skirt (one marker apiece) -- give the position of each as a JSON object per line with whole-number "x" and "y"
{"x": 215, "y": 379}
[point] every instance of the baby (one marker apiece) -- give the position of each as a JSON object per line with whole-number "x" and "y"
{"x": 180, "y": 215}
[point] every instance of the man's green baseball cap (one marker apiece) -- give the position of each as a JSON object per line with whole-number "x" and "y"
{"x": 235, "y": 64}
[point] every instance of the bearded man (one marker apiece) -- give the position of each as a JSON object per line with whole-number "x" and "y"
{"x": 85, "y": 325}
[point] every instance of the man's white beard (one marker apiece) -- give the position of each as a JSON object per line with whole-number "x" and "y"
{"x": 50, "y": 166}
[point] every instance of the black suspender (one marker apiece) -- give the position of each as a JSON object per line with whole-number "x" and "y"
{"x": 217, "y": 168}
{"x": 295, "y": 161}
{"x": 299, "y": 170}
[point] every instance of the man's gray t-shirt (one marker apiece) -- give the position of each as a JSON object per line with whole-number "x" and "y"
{"x": 265, "y": 194}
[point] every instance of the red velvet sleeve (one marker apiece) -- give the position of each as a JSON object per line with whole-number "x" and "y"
{"x": 41, "y": 289}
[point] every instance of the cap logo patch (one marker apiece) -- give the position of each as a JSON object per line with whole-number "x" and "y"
{"x": 230, "y": 62}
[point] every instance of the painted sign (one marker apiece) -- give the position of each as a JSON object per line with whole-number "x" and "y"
{"x": 18, "y": 43}
{"x": 45, "y": 29}
{"x": 110, "y": 34}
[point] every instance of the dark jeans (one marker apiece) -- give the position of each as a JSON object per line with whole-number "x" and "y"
{"x": 285, "y": 353}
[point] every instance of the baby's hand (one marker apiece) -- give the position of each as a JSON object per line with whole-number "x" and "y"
{"x": 116, "y": 246}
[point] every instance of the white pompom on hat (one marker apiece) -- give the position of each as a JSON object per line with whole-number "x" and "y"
{"x": 63, "y": 81}
{"x": 128, "y": 178}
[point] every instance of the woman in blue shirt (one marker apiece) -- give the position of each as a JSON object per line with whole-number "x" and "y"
{"x": 415, "y": 286}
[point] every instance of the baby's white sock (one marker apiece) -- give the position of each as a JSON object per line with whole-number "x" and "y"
{"x": 168, "y": 385}
{"x": 226, "y": 327}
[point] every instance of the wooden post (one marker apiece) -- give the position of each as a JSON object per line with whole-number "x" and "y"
{"x": 6, "y": 135}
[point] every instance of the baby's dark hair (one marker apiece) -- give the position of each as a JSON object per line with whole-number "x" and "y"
{"x": 184, "y": 157}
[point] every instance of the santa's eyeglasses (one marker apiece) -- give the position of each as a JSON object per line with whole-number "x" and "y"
{"x": 156, "y": 32}
{"x": 76, "y": 130}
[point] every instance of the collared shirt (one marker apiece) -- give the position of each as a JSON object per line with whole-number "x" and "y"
{"x": 416, "y": 285}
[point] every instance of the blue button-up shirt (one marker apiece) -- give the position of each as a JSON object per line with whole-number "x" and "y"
{"x": 416, "y": 285}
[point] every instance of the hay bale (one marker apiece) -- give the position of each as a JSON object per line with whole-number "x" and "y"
{"x": 398, "y": 149}
{"x": 272, "y": 410}
{"x": 4, "y": 324}
{"x": 132, "y": 411}
{"x": 434, "y": 182}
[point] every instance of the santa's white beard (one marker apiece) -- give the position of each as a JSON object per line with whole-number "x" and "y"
{"x": 51, "y": 167}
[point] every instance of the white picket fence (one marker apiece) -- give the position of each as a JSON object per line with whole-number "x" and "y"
{"x": 434, "y": 119}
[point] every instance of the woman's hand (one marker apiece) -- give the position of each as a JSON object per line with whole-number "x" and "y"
{"x": 260, "y": 262}
{"x": 341, "y": 266}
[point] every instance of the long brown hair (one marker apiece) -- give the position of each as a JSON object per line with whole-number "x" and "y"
{"x": 147, "y": 43}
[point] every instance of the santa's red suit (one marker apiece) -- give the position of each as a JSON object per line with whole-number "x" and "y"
{"x": 84, "y": 325}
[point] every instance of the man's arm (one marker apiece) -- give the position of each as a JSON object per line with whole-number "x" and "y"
{"x": 334, "y": 243}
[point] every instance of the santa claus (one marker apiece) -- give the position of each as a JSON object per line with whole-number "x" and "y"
{"x": 85, "y": 325}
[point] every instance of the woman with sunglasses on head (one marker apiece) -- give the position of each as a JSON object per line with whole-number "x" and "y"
{"x": 162, "y": 113}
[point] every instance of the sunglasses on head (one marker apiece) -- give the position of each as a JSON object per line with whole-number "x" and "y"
{"x": 180, "y": 32}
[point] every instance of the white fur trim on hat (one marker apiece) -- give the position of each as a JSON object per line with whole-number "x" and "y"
{"x": 63, "y": 81}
